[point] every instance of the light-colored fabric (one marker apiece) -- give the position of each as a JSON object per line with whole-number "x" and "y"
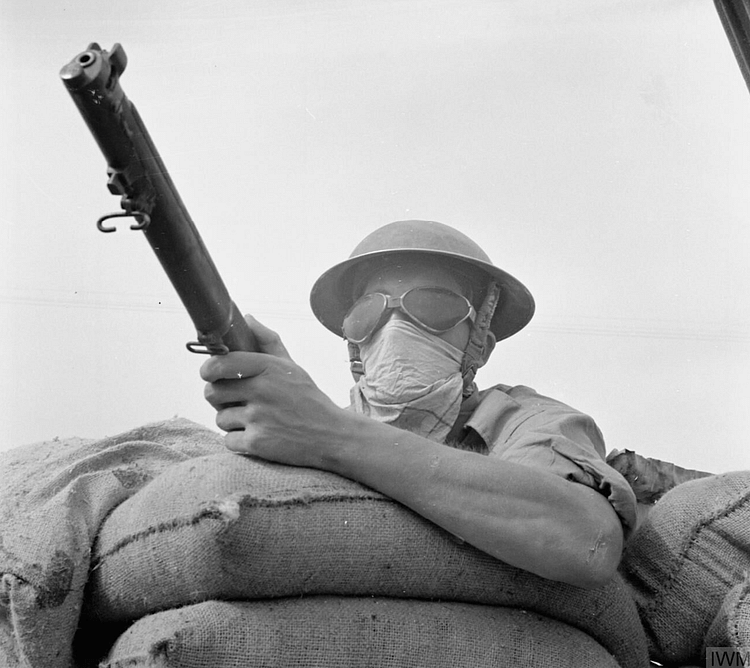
{"x": 353, "y": 633}
{"x": 53, "y": 497}
{"x": 412, "y": 380}
{"x": 681, "y": 563}
{"x": 519, "y": 425}
{"x": 238, "y": 528}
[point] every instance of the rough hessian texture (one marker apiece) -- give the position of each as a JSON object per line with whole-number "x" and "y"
{"x": 173, "y": 520}
{"x": 353, "y": 632}
{"x": 53, "y": 497}
{"x": 228, "y": 527}
{"x": 682, "y": 562}
{"x": 731, "y": 626}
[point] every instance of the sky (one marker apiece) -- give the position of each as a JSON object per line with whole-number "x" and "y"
{"x": 597, "y": 150}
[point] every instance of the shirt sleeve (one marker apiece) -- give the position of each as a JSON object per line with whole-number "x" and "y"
{"x": 527, "y": 428}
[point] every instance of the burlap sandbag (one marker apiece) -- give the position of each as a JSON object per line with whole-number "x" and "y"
{"x": 681, "y": 563}
{"x": 731, "y": 626}
{"x": 53, "y": 497}
{"x": 353, "y": 632}
{"x": 230, "y": 527}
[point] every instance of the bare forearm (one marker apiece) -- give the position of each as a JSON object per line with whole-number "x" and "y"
{"x": 526, "y": 517}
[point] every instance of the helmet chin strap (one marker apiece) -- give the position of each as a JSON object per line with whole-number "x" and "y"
{"x": 355, "y": 363}
{"x": 473, "y": 352}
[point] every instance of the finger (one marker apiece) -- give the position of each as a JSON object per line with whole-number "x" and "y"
{"x": 240, "y": 441}
{"x": 234, "y": 418}
{"x": 235, "y": 365}
{"x": 225, "y": 393}
{"x": 268, "y": 340}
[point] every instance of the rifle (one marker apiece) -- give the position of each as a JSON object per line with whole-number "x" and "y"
{"x": 735, "y": 17}
{"x": 137, "y": 173}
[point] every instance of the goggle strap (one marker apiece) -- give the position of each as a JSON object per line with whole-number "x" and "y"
{"x": 475, "y": 346}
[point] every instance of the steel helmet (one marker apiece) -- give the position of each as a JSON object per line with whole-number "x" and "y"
{"x": 333, "y": 293}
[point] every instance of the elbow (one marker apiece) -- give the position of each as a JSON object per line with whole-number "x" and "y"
{"x": 595, "y": 545}
{"x": 587, "y": 559}
{"x": 596, "y": 564}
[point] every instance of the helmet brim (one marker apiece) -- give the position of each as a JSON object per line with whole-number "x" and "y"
{"x": 332, "y": 294}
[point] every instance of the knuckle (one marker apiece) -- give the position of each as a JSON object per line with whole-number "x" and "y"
{"x": 222, "y": 421}
{"x": 274, "y": 337}
{"x": 211, "y": 369}
{"x": 205, "y": 370}
{"x": 210, "y": 392}
{"x": 241, "y": 442}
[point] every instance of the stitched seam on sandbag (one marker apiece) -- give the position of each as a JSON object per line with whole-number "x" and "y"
{"x": 686, "y": 546}
{"x": 734, "y": 613}
{"x": 311, "y": 493}
{"x": 214, "y": 513}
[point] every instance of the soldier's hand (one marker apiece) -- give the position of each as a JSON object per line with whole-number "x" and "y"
{"x": 269, "y": 406}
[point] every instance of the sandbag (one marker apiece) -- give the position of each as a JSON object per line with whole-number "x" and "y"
{"x": 230, "y": 527}
{"x": 345, "y": 632}
{"x": 53, "y": 498}
{"x": 649, "y": 478}
{"x": 681, "y": 563}
{"x": 731, "y": 626}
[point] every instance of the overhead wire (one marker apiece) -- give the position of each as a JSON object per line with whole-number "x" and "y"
{"x": 621, "y": 327}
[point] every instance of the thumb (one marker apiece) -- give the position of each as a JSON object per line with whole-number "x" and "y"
{"x": 269, "y": 341}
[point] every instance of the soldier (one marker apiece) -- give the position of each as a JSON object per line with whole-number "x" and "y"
{"x": 516, "y": 474}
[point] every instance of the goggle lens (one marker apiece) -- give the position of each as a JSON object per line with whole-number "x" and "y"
{"x": 436, "y": 310}
{"x": 364, "y": 317}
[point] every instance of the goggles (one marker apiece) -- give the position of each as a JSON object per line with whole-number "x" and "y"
{"x": 435, "y": 310}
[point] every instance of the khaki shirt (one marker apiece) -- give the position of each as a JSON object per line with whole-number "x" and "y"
{"x": 518, "y": 425}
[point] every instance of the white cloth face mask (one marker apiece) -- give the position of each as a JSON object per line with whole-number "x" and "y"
{"x": 412, "y": 380}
